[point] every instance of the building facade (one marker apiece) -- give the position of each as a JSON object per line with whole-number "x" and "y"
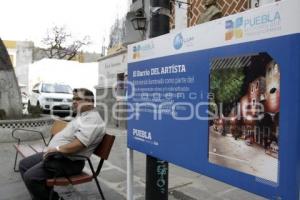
{"x": 110, "y": 91}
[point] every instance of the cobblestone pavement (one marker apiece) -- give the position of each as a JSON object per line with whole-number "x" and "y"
{"x": 183, "y": 184}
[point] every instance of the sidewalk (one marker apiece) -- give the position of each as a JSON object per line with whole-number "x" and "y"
{"x": 183, "y": 184}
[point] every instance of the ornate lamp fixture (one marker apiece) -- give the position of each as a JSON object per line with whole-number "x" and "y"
{"x": 139, "y": 21}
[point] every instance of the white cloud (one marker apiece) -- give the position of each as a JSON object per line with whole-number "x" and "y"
{"x": 30, "y": 19}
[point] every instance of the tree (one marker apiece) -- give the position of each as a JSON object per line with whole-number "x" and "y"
{"x": 117, "y": 33}
{"x": 60, "y": 44}
{"x": 226, "y": 84}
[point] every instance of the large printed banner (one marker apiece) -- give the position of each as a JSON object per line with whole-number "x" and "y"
{"x": 222, "y": 99}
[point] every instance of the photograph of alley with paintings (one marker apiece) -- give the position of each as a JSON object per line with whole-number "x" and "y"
{"x": 245, "y": 98}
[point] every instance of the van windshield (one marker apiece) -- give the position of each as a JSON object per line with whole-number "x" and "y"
{"x": 56, "y": 88}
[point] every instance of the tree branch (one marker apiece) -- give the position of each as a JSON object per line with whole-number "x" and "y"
{"x": 59, "y": 44}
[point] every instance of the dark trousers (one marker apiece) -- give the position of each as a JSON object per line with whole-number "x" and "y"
{"x": 35, "y": 175}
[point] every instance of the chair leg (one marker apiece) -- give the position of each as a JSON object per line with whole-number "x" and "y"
{"x": 16, "y": 158}
{"x": 51, "y": 194}
{"x": 99, "y": 188}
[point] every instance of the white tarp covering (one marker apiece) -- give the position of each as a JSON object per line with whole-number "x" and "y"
{"x": 75, "y": 74}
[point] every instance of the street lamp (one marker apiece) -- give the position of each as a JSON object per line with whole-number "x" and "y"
{"x": 139, "y": 21}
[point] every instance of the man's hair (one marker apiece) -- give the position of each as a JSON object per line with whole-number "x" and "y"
{"x": 87, "y": 94}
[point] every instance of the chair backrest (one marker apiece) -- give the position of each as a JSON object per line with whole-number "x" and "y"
{"x": 104, "y": 147}
{"x": 57, "y": 126}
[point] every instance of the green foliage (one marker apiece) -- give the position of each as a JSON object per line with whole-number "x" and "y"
{"x": 226, "y": 84}
{"x": 2, "y": 114}
{"x": 35, "y": 111}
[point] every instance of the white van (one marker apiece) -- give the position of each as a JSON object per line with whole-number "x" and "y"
{"x": 54, "y": 97}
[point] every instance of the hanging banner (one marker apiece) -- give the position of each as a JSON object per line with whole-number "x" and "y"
{"x": 221, "y": 99}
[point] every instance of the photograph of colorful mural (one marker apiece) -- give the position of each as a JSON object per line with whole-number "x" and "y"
{"x": 245, "y": 98}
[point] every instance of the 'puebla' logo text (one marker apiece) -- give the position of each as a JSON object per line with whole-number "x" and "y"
{"x": 234, "y": 28}
{"x": 179, "y": 41}
{"x": 141, "y": 48}
{"x": 141, "y": 134}
{"x": 242, "y": 26}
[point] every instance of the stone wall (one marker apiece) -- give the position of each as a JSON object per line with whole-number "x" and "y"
{"x": 10, "y": 99}
{"x": 10, "y": 96}
{"x": 42, "y": 125}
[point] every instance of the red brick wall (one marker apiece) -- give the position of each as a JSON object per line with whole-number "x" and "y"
{"x": 227, "y": 7}
{"x": 172, "y": 18}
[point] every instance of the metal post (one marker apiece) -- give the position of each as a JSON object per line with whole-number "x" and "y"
{"x": 157, "y": 172}
{"x": 129, "y": 174}
{"x": 157, "y": 179}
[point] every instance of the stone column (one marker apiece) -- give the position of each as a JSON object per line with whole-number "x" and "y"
{"x": 10, "y": 96}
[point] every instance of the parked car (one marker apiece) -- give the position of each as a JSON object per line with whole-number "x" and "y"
{"x": 54, "y": 97}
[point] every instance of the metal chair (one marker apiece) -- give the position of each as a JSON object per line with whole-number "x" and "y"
{"x": 25, "y": 149}
{"x": 102, "y": 151}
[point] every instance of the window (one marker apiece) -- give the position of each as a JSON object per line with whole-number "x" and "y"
{"x": 56, "y": 88}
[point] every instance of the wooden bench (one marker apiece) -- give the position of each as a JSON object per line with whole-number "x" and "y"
{"x": 102, "y": 151}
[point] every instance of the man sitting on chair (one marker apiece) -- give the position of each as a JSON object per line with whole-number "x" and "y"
{"x": 80, "y": 137}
